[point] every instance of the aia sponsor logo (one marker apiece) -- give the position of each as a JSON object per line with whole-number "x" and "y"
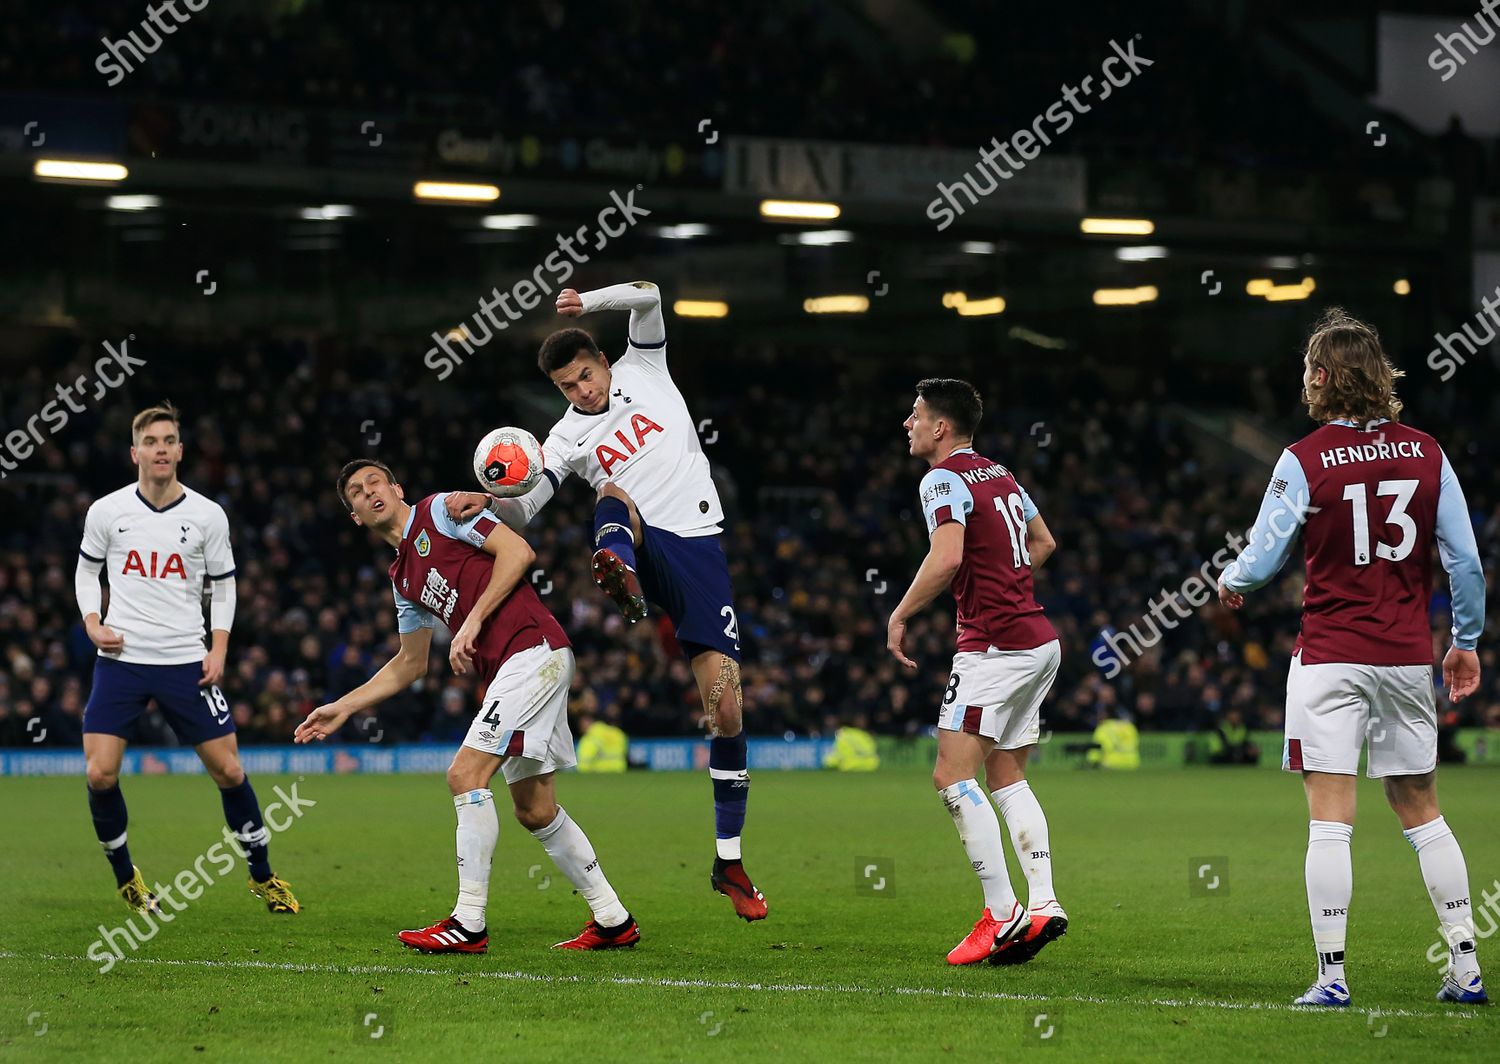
{"x": 160, "y": 570}
{"x": 641, "y": 426}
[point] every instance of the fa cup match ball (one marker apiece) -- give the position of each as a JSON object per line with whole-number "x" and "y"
{"x": 508, "y": 462}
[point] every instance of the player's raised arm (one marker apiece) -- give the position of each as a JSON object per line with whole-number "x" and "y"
{"x": 648, "y": 329}
{"x": 406, "y": 668}
{"x": 1460, "y": 557}
{"x": 1269, "y": 544}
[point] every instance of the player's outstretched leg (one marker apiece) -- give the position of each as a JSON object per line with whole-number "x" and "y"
{"x": 616, "y": 528}
{"x": 610, "y": 924}
{"x": 1023, "y": 816}
{"x": 1329, "y": 874}
{"x": 1003, "y": 921}
{"x": 102, "y": 755}
{"x": 1414, "y": 799}
{"x": 247, "y": 827}
{"x": 718, "y": 677}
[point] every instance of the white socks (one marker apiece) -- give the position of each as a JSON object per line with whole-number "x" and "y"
{"x": 1447, "y": 879}
{"x": 980, "y": 831}
{"x": 1330, "y": 884}
{"x": 573, "y": 854}
{"x": 478, "y": 831}
{"x": 1028, "y": 834}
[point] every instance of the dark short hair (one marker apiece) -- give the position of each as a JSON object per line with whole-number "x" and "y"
{"x": 563, "y": 347}
{"x": 350, "y": 468}
{"x": 956, "y": 402}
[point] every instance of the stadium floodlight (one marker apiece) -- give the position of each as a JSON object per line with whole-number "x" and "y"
{"x": 329, "y": 212}
{"x": 1141, "y": 253}
{"x": 684, "y": 231}
{"x": 509, "y": 221}
{"x": 1402, "y": 287}
{"x": 836, "y": 304}
{"x": 979, "y": 308}
{"x": 1125, "y": 297}
{"x": 799, "y": 210}
{"x": 132, "y": 203}
{"x": 973, "y": 308}
{"x": 1280, "y": 293}
{"x": 700, "y": 308}
{"x": 1117, "y": 226}
{"x": 455, "y": 191}
{"x": 977, "y": 247}
{"x": 819, "y": 237}
{"x": 74, "y": 170}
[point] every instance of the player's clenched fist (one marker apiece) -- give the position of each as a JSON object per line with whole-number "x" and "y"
{"x": 569, "y": 303}
{"x": 321, "y": 723}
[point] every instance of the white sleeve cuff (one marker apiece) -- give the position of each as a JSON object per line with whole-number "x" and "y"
{"x": 221, "y": 605}
{"x": 86, "y": 585}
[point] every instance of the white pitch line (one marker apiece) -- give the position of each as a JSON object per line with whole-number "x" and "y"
{"x": 711, "y": 984}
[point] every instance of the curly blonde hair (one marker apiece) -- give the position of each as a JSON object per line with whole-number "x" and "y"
{"x": 1360, "y": 382}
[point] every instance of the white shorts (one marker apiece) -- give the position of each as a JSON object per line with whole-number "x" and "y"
{"x": 998, "y": 693}
{"x": 524, "y": 718}
{"x": 1333, "y": 710}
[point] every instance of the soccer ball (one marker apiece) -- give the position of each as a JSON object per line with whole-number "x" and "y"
{"x": 508, "y": 462}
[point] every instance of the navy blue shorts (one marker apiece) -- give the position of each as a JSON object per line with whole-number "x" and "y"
{"x": 688, "y": 578}
{"x": 122, "y": 689}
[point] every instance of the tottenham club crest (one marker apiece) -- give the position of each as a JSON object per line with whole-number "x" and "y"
{"x": 423, "y": 544}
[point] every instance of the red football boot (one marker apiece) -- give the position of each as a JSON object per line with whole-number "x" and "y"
{"x": 730, "y": 879}
{"x": 989, "y": 935}
{"x": 595, "y": 937}
{"x": 445, "y": 936}
{"x": 1047, "y": 923}
{"x": 619, "y": 582}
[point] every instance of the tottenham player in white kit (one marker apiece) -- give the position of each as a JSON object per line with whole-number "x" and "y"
{"x": 657, "y": 526}
{"x": 158, "y": 542}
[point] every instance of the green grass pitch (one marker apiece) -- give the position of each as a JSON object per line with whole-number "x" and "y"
{"x": 1155, "y": 966}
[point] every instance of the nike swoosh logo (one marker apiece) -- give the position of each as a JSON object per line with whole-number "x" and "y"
{"x": 122, "y": 530}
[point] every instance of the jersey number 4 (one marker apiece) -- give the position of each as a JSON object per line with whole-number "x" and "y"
{"x": 1014, "y": 514}
{"x": 1402, "y": 490}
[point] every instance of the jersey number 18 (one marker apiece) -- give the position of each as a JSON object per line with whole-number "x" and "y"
{"x": 1014, "y": 514}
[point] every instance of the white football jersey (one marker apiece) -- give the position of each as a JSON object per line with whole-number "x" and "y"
{"x": 156, "y": 562}
{"x": 645, "y": 441}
